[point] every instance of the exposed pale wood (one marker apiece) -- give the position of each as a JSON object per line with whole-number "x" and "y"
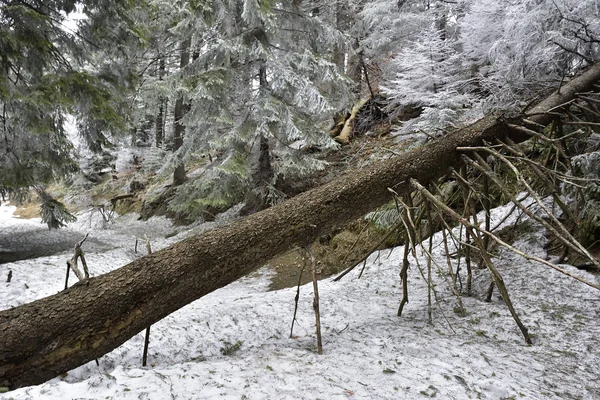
{"x": 346, "y": 133}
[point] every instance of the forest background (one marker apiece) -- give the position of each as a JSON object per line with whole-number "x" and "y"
{"x": 229, "y": 100}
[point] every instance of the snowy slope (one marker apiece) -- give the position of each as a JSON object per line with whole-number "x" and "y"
{"x": 369, "y": 352}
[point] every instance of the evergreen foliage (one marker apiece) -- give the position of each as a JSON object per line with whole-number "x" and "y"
{"x": 455, "y": 60}
{"x": 53, "y": 212}
{"x": 260, "y": 70}
{"x": 428, "y": 76}
{"x": 386, "y": 26}
{"x": 262, "y": 81}
{"x": 520, "y": 50}
{"x": 587, "y": 165}
{"x": 46, "y": 75}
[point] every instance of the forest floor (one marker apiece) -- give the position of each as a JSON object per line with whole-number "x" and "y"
{"x": 235, "y": 342}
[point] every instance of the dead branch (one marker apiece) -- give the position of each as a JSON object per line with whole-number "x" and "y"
{"x": 297, "y": 295}
{"x": 72, "y": 263}
{"x": 407, "y": 246}
{"x": 368, "y": 253}
{"x": 495, "y": 274}
{"x": 536, "y": 169}
{"x": 147, "y": 335}
{"x": 316, "y": 299}
{"x": 564, "y": 235}
{"x": 513, "y": 249}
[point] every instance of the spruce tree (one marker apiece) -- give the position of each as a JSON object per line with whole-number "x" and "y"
{"x": 518, "y": 50}
{"x": 259, "y": 91}
{"x": 47, "y": 74}
{"x": 428, "y": 77}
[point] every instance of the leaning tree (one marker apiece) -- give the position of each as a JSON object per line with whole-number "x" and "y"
{"x": 50, "y": 336}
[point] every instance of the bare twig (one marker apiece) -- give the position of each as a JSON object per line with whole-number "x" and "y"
{"x": 147, "y": 335}
{"x": 490, "y": 292}
{"x": 564, "y": 235}
{"x": 582, "y": 123}
{"x": 297, "y": 296}
{"x": 451, "y": 284}
{"x": 404, "y": 280}
{"x": 461, "y": 310}
{"x": 449, "y": 263}
{"x": 316, "y": 299}
{"x": 466, "y": 190}
{"x": 429, "y": 283}
{"x": 368, "y": 253}
{"x": 405, "y": 263}
{"x": 495, "y": 274}
{"x": 72, "y": 263}
{"x": 513, "y": 249}
{"x": 550, "y": 186}
{"x": 67, "y": 276}
{"x": 540, "y": 136}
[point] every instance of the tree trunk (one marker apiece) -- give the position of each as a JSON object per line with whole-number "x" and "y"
{"x": 344, "y": 16}
{"x": 355, "y": 68}
{"x": 180, "y": 111}
{"x": 50, "y": 336}
{"x": 160, "y": 126}
{"x": 160, "y": 132}
{"x": 262, "y": 176}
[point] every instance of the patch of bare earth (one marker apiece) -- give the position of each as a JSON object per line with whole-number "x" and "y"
{"x": 333, "y": 255}
{"x": 27, "y": 210}
{"x": 348, "y": 246}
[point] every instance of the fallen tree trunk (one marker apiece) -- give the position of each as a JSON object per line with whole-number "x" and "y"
{"x": 50, "y": 336}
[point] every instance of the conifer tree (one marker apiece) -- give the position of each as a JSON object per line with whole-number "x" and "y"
{"x": 258, "y": 91}
{"x": 428, "y": 77}
{"x": 181, "y": 108}
{"x": 520, "y": 49}
{"x": 45, "y": 74}
{"x": 497, "y": 54}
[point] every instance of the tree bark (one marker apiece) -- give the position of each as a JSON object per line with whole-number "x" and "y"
{"x": 159, "y": 123}
{"x": 180, "y": 111}
{"x": 354, "y": 68}
{"x": 263, "y": 174}
{"x": 50, "y": 336}
{"x": 344, "y": 18}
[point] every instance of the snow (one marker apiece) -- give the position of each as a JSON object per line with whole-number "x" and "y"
{"x": 369, "y": 352}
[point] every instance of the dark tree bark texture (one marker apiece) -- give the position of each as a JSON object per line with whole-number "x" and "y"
{"x": 181, "y": 109}
{"x": 159, "y": 123}
{"x": 50, "y": 336}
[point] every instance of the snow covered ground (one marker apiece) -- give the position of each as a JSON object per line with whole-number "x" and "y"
{"x": 235, "y": 343}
